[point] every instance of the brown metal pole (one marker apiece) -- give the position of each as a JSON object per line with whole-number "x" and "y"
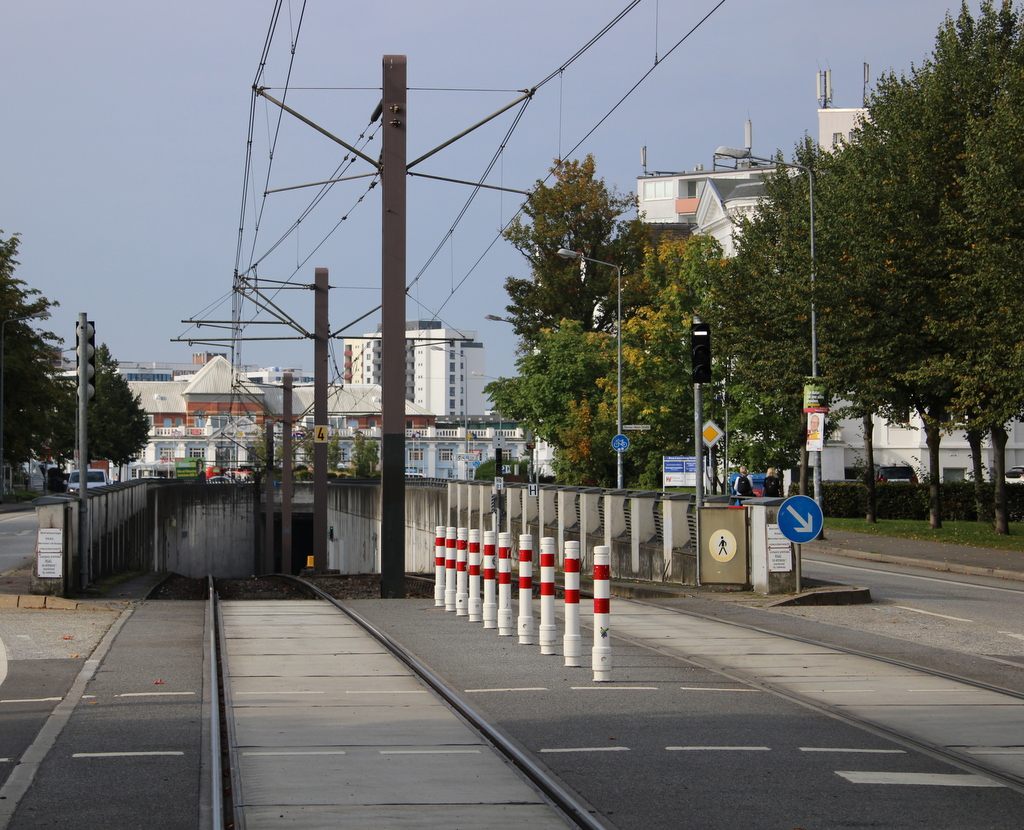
{"x": 286, "y": 477}
{"x": 392, "y": 536}
{"x": 321, "y": 335}
{"x": 268, "y": 503}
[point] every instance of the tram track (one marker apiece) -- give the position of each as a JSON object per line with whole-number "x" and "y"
{"x": 224, "y": 769}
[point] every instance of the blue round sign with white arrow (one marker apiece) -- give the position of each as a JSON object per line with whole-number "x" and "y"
{"x": 800, "y": 519}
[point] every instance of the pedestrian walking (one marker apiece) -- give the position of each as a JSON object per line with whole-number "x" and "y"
{"x": 772, "y": 484}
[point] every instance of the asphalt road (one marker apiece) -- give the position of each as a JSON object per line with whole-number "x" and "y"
{"x": 673, "y": 745}
{"x": 17, "y": 539}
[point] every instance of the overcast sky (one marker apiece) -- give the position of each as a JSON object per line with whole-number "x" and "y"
{"x": 125, "y": 128}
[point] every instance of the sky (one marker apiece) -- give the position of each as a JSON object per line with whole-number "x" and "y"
{"x": 126, "y": 130}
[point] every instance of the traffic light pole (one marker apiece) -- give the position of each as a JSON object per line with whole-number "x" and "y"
{"x": 86, "y": 370}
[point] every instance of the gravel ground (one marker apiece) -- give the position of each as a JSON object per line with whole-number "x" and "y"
{"x": 360, "y": 586}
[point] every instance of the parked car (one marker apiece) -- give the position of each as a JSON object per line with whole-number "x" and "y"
{"x": 220, "y": 480}
{"x": 899, "y": 472}
{"x": 94, "y": 478}
{"x": 1015, "y": 475}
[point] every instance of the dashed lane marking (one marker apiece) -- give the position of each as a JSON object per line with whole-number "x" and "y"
{"x": 928, "y": 779}
{"x": 429, "y": 751}
{"x": 718, "y": 748}
{"x": 853, "y": 749}
{"x": 513, "y": 689}
{"x": 122, "y": 754}
{"x": 153, "y": 694}
{"x": 713, "y": 689}
{"x": 294, "y": 752}
{"x": 615, "y": 688}
{"x": 588, "y": 749}
{"x": 31, "y": 700}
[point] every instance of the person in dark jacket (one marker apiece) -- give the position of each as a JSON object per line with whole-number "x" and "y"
{"x": 772, "y": 485}
{"x": 742, "y": 486}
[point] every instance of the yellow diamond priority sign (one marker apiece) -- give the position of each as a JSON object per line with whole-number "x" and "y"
{"x": 711, "y": 433}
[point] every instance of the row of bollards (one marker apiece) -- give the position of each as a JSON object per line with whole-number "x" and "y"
{"x": 477, "y": 583}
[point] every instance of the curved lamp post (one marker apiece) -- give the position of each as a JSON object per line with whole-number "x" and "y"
{"x": 737, "y": 153}
{"x": 39, "y": 315}
{"x": 565, "y": 253}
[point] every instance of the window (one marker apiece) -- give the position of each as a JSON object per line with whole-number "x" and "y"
{"x": 416, "y": 454}
{"x": 659, "y": 189}
{"x": 167, "y": 453}
{"x": 197, "y": 452}
{"x": 446, "y": 455}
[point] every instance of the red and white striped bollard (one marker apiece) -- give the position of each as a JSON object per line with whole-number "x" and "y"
{"x": 601, "y": 656}
{"x": 506, "y": 625}
{"x": 526, "y": 589}
{"x": 450, "y": 565}
{"x": 490, "y": 607}
{"x": 439, "y": 549}
{"x": 571, "y": 641}
{"x": 548, "y": 631}
{"x": 475, "y": 603}
{"x": 461, "y": 574}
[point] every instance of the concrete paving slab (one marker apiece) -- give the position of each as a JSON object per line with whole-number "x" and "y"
{"x": 408, "y": 724}
{"x": 414, "y": 817}
{"x": 280, "y": 665}
{"x": 952, "y": 726}
{"x": 306, "y": 645}
{"x": 452, "y": 775}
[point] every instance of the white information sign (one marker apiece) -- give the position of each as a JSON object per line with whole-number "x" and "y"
{"x": 50, "y": 565}
{"x": 780, "y": 551}
{"x": 50, "y": 540}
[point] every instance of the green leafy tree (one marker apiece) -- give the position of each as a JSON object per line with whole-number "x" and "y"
{"x": 33, "y": 392}
{"x": 365, "y": 457}
{"x": 118, "y": 425}
{"x": 580, "y": 213}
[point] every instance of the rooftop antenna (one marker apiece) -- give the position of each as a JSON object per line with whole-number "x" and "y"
{"x": 748, "y": 131}
{"x": 643, "y": 158}
{"x": 867, "y": 80}
{"x": 824, "y": 89}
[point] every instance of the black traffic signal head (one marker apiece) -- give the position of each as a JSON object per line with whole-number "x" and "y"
{"x": 700, "y": 350}
{"x": 85, "y": 348}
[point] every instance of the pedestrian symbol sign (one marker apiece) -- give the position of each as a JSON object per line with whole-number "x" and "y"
{"x": 722, "y": 545}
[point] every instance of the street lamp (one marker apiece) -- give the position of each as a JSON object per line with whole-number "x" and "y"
{"x": 39, "y": 315}
{"x": 736, "y": 153}
{"x": 565, "y": 253}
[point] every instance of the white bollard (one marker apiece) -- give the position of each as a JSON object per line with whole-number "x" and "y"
{"x": 475, "y": 604}
{"x": 548, "y": 631}
{"x": 450, "y": 565}
{"x": 490, "y": 607}
{"x": 526, "y": 589}
{"x": 461, "y": 574}
{"x": 439, "y": 566}
{"x": 506, "y": 625}
{"x": 601, "y": 657}
{"x": 571, "y": 641}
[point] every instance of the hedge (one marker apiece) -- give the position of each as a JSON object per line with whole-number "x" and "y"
{"x": 903, "y": 500}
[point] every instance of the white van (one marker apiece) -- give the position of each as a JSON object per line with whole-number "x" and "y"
{"x": 94, "y": 478}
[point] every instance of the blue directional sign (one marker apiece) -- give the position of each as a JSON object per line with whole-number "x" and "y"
{"x": 620, "y": 443}
{"x": 800, "y": 519}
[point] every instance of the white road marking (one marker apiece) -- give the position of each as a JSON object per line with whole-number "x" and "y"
{"x": 996, "y": 750}
{"x": 851, "y": 749}
{"x": 589, "y": 749}
{"x": 31, "y": 700}
{"x": 429, "y": 751}
{"x": 152, "y": 694}
{"x": 711, "y": 689}
{"x": 120, "y": 754}
{"x": 928, "y": 779}
{"x": 929, "y": 613}
{"x": 520, "y": 689}
{"x": 292, "y": 752}
{"x": 1011, "y": 634}
{"x": 614, "y": 688}
{"x": 239, "y": 694}
{"x": 718, "y": 748}
{"x": 832, "y": 564}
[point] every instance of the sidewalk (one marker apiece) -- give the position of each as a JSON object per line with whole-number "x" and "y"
{"x": 937, "y": 556}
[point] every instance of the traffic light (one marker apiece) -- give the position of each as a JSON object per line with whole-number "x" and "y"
{"x": 85, "y": 350}
{"x": 700, "y": 350}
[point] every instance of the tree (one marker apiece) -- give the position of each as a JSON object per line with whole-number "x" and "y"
{"x": 32, "y": 389}
{"x": 580, "y": 213}
{"x": 365, "y": 457}
{"x": 118, "y": 425}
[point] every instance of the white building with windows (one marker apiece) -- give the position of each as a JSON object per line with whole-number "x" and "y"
{"x": 445, "y": 368}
